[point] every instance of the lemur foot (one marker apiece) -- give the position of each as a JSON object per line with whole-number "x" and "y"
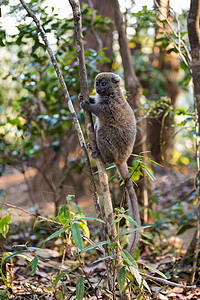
{"x": 96, "y": 153}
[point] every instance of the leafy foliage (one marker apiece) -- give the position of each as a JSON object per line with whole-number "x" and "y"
{"x": 39, "y": 118}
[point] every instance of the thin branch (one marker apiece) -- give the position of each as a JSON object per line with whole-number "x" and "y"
{"x": 91, "y": 242}
{"x": 167, "y": 282}
{"x": 31, "y": 214}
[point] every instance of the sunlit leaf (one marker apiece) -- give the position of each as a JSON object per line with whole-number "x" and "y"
{"x": 77, "y": 236}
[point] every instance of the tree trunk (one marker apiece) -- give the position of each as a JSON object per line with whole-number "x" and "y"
{"x": 193, "y": 250}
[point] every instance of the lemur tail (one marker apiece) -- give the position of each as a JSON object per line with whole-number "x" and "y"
{"x": 133, "y": 208}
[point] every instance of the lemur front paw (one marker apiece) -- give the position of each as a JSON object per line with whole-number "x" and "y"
{"x": 89, "y": 146}
{"x": 95, "y": 153}
{"x": 80, "y": 97}
{"x": 84, "y": 105}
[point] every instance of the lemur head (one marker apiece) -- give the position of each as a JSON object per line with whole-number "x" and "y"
{"x": 106, "y": 83}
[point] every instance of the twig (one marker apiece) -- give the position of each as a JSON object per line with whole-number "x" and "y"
{"x": 91, "y": 242}
{"x": 31, "y": 214}
{"x": 167, "y": 282}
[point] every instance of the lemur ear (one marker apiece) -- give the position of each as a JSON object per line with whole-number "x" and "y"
{"x": 115, "y": 78}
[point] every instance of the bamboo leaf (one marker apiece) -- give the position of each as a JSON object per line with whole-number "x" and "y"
{"x": 117, "y": 220}
{"x": 77, "y": 236}
{"x": 95, "y": 246}
{"x": 149, "y": 172}
{"x": 38, "y": 223}
{"x": 58, "y": 278}
{"x": 57, "y": 233}
{"x": 90, "y": 219}
{"x": 33, "y": 265}
{"x": 139, "y": 279}
{"x": 122, "y": 278}
{"x": 128, "y": 218}
{"x": 148, "y": 235}
{"x": 156, "y": 271}
{"x": 105, "y": 292}
{"x": 134, "y": 229}
{"x": 14, "y": 254}
{"x": 78, "y": 209}
{"x": 128, "y": 259}
{"x": 101, "y": 259}
{"x": 80, "y": 288}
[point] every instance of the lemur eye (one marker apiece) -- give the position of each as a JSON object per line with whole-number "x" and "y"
{"x": 97, "y": 83}
{"x": 103, "y": 83}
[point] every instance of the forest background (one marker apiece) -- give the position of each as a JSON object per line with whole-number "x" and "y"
{"x": 42, "y": 163}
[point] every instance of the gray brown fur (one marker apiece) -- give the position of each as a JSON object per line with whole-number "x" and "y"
{"x": 115, "y": 129}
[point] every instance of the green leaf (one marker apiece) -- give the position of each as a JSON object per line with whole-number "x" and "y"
{"x": 128, "y": 258}
{"x": 134, "y": 229}
{"x": 77, "y": 236}
{"x": 149, "y": 173}
{"x": 172, "y": 50}
{"x": 80, "y": 288}
{"x": 4, "y": 225}
{"x": 137, "y": 254}
{"x": 154, "y": 270}
{"x": 122, "y": 278}
{"x": 148, "y": 235}
{"x": 3, "y": 295}
{"x": 33, "y": 265}
{"x": 14, "y": 254}
{"x": 184, "y": 228}
{"x": 105, "y": 292}
{"x": 78, "y": 209}
{"x": 90, "y": 219}
{"x": 128, "y": 218}
{"x": 36, "y": 249}
{"x": 112, "y": 245}
{"x": 64, "y": 214}
{"x": 38, "y": 223}
{"x": 58, "y": 279}
{"x": 146, "y": 242}
{"x": 117, "y": 220}
{"x": 101, "y": 259}
{"x": 57, "y": 233}
{"x": 94, "y": 246}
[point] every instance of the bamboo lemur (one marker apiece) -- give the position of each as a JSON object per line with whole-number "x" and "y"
{"x": 115, "y": 129}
